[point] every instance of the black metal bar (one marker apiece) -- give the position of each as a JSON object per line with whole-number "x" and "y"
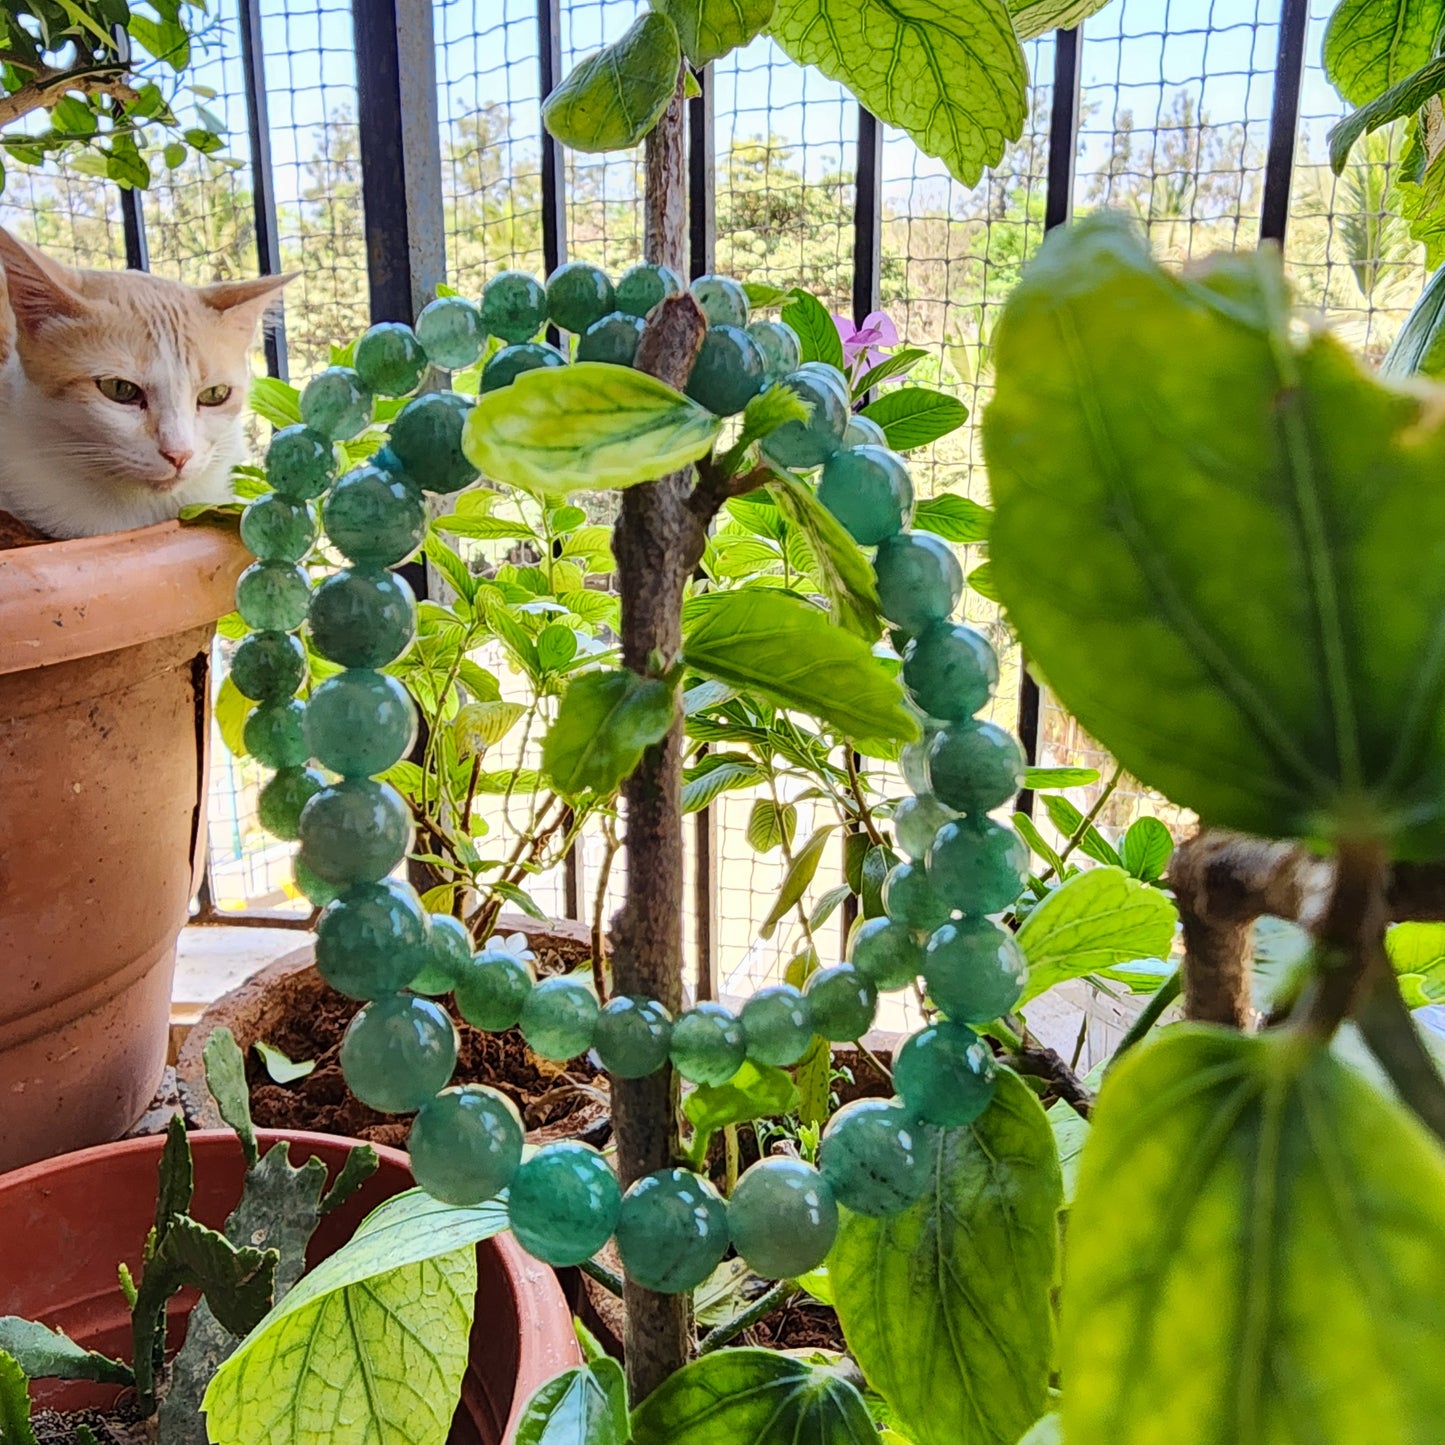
{"x": 1294, "y": 20}
{"x": 702, "y": 176}
{"x": 554, "y": 168}
{"x": 868, "y": 217}
{"x": 132, "y": 201}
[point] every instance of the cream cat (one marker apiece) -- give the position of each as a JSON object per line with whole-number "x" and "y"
{"x": 121, "y": 394}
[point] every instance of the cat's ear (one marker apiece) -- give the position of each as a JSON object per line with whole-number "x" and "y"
{"x": 244, "y": 303}
{"x": 38, "y": 288}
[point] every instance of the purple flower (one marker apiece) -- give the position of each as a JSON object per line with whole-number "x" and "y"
{"x": 866, "y": 345}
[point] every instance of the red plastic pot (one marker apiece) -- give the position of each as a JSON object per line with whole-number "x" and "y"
{"x": 66, "y": 1223}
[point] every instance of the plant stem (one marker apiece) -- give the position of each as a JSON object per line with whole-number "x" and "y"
{"x": 780, "y": 1294}
{"x": 599, "y": 971}
{"x": 1087, "y": 821}
{"x": 732, "y": 1158}
{"x": 612, "y": 1283}
{"x": 1395, "y": 1041}
{"x": 1349, "y": 939}
{"x": 1149, "y": 1015}
{"x": 855, "y": 783}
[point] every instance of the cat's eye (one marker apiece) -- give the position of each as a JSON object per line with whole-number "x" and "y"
{"x": 117, "y": 388}
{"x": 214, "y": 396}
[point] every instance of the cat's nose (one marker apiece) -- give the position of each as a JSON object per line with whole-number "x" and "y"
{"x": 177, "y": 459}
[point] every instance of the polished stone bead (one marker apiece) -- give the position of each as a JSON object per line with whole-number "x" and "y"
{"x": 426, "y": 439}
{"x": 275, "y": 734}
{"x": 841, "y": 1003}
{"x": 642, "y": 287}
{"x": 578, "y": 293}
{"x": 975, "y": 766}
{"x": 514, "y": 306}
{"x": 273, "y": 596}
{"x": 363, "y": 617}
{"x": 782, "y": 352}
{"x": 672, "y": 1231}
{"x": 374, "y": 517}
{"x": 632, "y": 1036}
{"x": 782, "y": 1218}
{"x": 451, "y": 331}
{"x": 945, "y": 1075}
{"x": 316, "y": 891}
{"x": 919, "y": 580}
{"x": 559, "y": 1018}
{"x": 978, "y": 866}
{"x": 708, "y": 1044}
{"x": 909, "y": 898}
{"x": 390, "y": 360}
{"x": 887, "y": 953}
{"x": 336, "y": 404}
{"x": 277, "y": 530}
{"x": 613, "y": 340}
{"x": 810, "y": 443}
{"x": 279, "y": 804}
{"x": 510, "y": 362}
{"x": 723, "y": 300}
{"x": 466, "y": 1144}
{"x": 868, "y": 490}
{"x": 778, "y": 1025}
{"x": 371, "y": 940}
{"x": 951, "y": 670}
{"x": 876, "y": 1158}
{"x": 356, "y": 831}
{"x": 492, "y": 988}
{"x": 360, "y": 722}
{"x": 974, "y": 970}
{"x": 729, "y": 371}
{"x": 913, "y": 761}
{"x": 863, "y": 431}
{"x": 268, "y": 666}
{"x": 398, "y": 1052}
{"x": 916, "y": 822}
{"x": 448, "y": 956}
{"x": 563, "y": 1203}
{"x": 300, "y": 463}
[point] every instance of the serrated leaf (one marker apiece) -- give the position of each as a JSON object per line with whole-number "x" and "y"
{"x": 482, "y": 725}
{"x": 1145, "y": 849}
{"x": 485, "y": 528}
{"x": 1070, "y": 821}
{"x": 606, "y": 722}
{"x": 710, "y": 29}
{"x": 46, "y": 1354}
{"x": 1403, "y": 98}
{"x": 1369, "y": 47}
{"x": 954, "y": 518}
{"x": 914, "y": 416}
{"x": 14, "y": 1403}
{"x": 226, "y": 1080}
{"x": 275, "y": 401}
{"x": 1037, "y": 779}
{"x": 586, "y": 1405}
{"x": 279, "y": 1068}
{"x": 797, "y": 880}
{"x": 817, "y": 332}
{"x": 769, "y": 410}
{"x": 770, "y": 824}
{"x": 725, "y": 775}
{"x": 1037, "y": 17}
{"x": 845, "y": 573}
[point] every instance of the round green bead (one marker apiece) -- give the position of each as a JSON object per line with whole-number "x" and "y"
{"x": 886, "y": 953}
{"x": 336, "y": 404}
{"x": 919, "y": 580}
{"x": 268, "y": 666}
{"x": 975, "y": 766}
{"x": 708, "y": 1044}
{"x": 578, "y": 293}
{"x": 466, "y": 1144}
{"x": 511, "y": 361}
{"x": 642, "y": 287}
{"x": 398, "y": 1052}
{"x": 909, "y": 898}
{"x": 842, "y": 1002}
{"x": 951, "y": 670}
{"x": 729, "y": 371}
{"x": 810, "y": 443}
{"x": 371, "y": 940}
{"x": 390, "y": 360}
{"x": 916, "y": 822}
{"x": 974, "y": 970}
{"x": 356, "y": 831}
{"x": 913, "y": 761}
{"x": 363, "y": 617}
{"x": 632, "y": 1036}
{"x": 723, "y": 300}
{"x": 300, "y": 463}
{"x": 279, "y": 805}
{"x": 360, "y": 722}
{"x": 273, "y": 596}
{"x": 563, "y": 1203}
{"x": 448, "y": 956}
{"x": 979, "y": 866}
{"x": 275, "y": 734}
{"x": 317, "y": 891}
{"x": 492, "y": 988}
{"x": 559, "y": 1018}
{"x": 783, "y": 1218}
{"x": 945, "y": 1075}
{"x": 613, "y": 340}
{"x": 867, "y": 489}
{"x": 863, "y": 431}
{"x": 514, "y": 306}
{"x": 778, "y": 1025}
{"x": 875, "y": 1157}
{"x": 277, "y": 530}
{"x": 672, "y": 1231}
{"x": 374, "y": 518}
{"x": 451, "y": 332}
{"x": 426, "y": 438}
{"x": 782, "y": 352}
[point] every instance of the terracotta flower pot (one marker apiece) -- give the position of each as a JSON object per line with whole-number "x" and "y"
{"x": 104, "y": 729}
{"x": 65, "y": 1224}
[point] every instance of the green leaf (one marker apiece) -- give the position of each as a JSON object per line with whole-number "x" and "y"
{"x": 14, "y": 1403}
{"x": 946, "y": 1306}
{"x": 1306, "y": 702}
{"x": 981, "y": 580}
{"x": 279, "y": 1068}
{"x": 845, "y": 573}
{"x": 771, "y": 824}
{"x": 482, "y": 725}
{"x": 899, "y": 364}
{"x": 797, "y": 879}
{"x": 1255, "y": 1253}
{"x": 226, "y": 1080}
{"x": 1071, "y": 1130}
{"x": 950, "y": 74}
{"x": 790, "y": 651}
{"x": 1070, "y": 822}
{"x": 45, "y": 1354}
{"x": 231, "y": 712}
{"x": 1038, "y": 844}
{"x": 275, "y": 401}
{"x": 450, "y": 564}
{"x": 724, "y": 772}
{"x": 1146, "y": 849}
{"x": 756, "y": 1091}
{"x": 175, "y": 1182}
{"x": 814, "y": 1073}
{"x": 753, "y": 1397}
{"x": 1419, "y": 346}
{"x": 586, "y": 1405}
{"x": 1093, "y": 921}
{"x": 1036, "y": 17}
{"x": 174, "y": 155}
{"x": 485, "y": 528}
{"x": 1405, "y": 97}
{"x": 817, "y": 331}
{"x": 613, "y": 98}
{"x": 710, "y": 29}
{"x": 828, "y": 905}
{"x": 606, "y": 721}
{"x": 913, "y": 416}
{"x": 1369, "y": 46}
{"x": 769, "y": 410}
{"x": 954, "y": 518}
{"x": 1417, "y": 954}
{"x": 1037, "y": 779}
{"x": 761, "y": 294}
{"x": 585, "y": 427}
